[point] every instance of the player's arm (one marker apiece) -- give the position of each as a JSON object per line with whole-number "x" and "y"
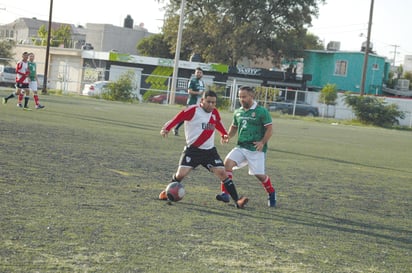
{"x": 193, "y": 92}
{"x": 232, "y": 131}
{"x": 186, "y": 114}
{"x": 223, "y": 133}
{"x": 268, "y": 134}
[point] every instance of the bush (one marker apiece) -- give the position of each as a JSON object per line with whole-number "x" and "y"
{"x": 375, "y": 111}
{"x": 120, "y": 90}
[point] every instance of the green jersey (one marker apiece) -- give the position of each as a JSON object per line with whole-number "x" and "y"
{"x": 33, "y": 70}
{"x": 251, "y": 125}
{"x": 196, "y": 85}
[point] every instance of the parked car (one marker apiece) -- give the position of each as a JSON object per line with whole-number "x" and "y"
{"x": 95, "y": 89}
{"x": 7, "y": 75}
{"x": 180, "y": 98}
{"x": 286, "y": 107}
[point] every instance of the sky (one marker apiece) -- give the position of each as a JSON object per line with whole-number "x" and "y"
{"x": 344, "y": 21}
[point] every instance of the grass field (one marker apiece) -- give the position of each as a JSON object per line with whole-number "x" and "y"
{"x": 80, "y": 180}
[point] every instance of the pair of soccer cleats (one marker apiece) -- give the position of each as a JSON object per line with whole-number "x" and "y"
{"x": 224, "y": 197}
{"x": 240, "y": 204}
{"x": 38, "y": 106}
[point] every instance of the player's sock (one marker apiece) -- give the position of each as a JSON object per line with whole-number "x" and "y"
{"x": 231, "y": 189}
{"x": 20, "y": 98}
{"x": 222, "y": 183}
{"x": 267, "y": 184}
{"x": 26, "y": 101}
{"x": 36, "y": 99}
{"x": 174, "y": 179}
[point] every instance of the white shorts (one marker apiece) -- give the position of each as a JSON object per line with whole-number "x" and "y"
{"x": 243, "y": 157}
{"x": 33, "y": 86}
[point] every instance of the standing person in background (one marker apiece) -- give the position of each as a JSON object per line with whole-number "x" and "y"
{"x": 195, "y": 89}
{"x": 253, "y": 124}
{"x": 33, "y": 81}
{"x": 22, "y": 83}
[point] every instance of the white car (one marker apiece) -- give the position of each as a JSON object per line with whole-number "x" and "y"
{"x": 7, "y": 75}
{"x": 95, "y": 89}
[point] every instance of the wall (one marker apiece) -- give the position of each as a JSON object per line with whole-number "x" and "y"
{"x": 321, "y": 64}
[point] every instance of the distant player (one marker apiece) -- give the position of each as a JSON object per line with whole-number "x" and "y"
{"x": 22, "y": 83}
{"x": 33, "y": 81}
{"x": 195, "y": 89}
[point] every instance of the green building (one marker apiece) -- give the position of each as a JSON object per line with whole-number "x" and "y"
{"x": 344, "y": 68}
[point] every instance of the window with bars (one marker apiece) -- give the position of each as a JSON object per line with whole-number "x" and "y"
{"x": 341, "y": 68}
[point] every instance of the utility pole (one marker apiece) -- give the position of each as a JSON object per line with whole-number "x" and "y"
{"x": 394, "y": 54}
{"x": 46, "y": 65}
{"x": 177, "y": 53}
{"x": 365, "y": 61}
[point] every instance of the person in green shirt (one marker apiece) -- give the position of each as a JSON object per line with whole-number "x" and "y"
{"x": 253, "y": 125}
{"x": 33, "y": 81}
{"x": 195, "y": 89}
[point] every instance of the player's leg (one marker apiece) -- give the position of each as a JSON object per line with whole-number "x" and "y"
{"x": 176, "y": 129}
{"x": 257, "y": 168}
{"x": 212, "y": 161}
{"x": 229, "y": 187}
{"x": 20, "y": 96}
{"x": 26, "y": 98}
{"x": 233, "y": 160}
{"x": 33, "y": 88}
{"x": 182, "y": 171}
{"x": 12, "y": 95}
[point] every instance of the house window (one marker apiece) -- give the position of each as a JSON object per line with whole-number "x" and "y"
{"x": 375, "y": 67}
{"x": 341, "y": 68}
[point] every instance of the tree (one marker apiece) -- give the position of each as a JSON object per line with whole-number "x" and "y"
{"x": 373, "y": 110}
{"x": 60, "y": 36}
{"x": 155, "y": 46}
{"x": 227, "y": 30}
{"x": 328, "y": 96}
{"x": 6, "y": 51}
{"x": 408, "y": 75}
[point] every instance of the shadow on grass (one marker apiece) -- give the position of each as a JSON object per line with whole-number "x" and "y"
{"x": 340, "y": 161}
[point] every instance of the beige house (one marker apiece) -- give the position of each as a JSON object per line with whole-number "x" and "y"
{"x": 65, "y": 66}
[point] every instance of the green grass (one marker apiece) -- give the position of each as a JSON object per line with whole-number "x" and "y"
{"x": 80, "y": 180}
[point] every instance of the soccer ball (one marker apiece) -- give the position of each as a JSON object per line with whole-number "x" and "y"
{"x": 175, "y": 191}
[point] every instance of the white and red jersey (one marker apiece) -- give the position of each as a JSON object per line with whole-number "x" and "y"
{"x": 199, "y": 126}
{"x": 22, "y": 72}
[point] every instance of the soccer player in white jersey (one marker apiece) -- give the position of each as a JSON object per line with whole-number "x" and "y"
{"x": 200, "y": 123}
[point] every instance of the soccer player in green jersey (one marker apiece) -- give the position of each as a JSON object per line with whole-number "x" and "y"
{"x": 195, "y": 89}
{"x": 253, "y": 124}
{"x": 33, "y": 81}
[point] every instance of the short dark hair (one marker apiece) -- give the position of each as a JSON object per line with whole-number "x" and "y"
{"x": 247, "y": 88}
{"x": 199, "y": 68}
{"x": 209, "y": 93}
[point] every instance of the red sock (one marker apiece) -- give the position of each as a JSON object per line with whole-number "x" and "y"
{"x": 268, "y": 185}
{"x": 36, "y": 99}
{"x": 222, "y": 186}
{"x": 20, "y": 99}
